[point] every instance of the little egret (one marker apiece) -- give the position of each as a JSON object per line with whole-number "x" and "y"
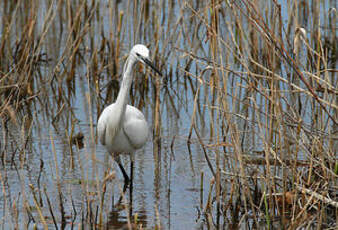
{"x": 122, "y": 128}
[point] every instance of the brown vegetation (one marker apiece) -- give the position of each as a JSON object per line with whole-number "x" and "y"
{"x": 257, "y": 78}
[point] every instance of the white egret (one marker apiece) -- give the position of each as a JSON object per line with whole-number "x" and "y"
{"x": 122, "y": 128}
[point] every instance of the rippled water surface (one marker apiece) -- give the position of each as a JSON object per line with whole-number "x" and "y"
{"x": 74, "y": 52}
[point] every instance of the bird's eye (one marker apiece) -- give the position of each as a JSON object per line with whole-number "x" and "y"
{"x": 137, "y": 54}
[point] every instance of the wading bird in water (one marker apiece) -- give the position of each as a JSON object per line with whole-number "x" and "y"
{"x": 122, "y": 128}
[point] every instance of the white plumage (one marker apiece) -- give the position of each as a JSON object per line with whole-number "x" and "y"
{"x": 122, "y": 128}
{"x": 125, "y": 136}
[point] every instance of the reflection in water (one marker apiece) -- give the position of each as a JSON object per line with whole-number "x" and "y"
{"x": 117, "y": 220}
{"x": 228, "y": 99}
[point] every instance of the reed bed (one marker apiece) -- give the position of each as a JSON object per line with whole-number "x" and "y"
{"x": 249, "y": 85}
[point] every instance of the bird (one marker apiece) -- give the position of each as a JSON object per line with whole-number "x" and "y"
{"x": 122, "y": 128}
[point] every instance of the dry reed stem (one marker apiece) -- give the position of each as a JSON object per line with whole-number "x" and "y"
{"x": 251, "y": 90}
{"x": 316, "y": 195}
{"x": 42, "y": 218}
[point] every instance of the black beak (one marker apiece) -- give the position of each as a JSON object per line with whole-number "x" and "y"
{"x": 151, "y": 65}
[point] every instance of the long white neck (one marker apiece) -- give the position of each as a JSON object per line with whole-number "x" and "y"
{"x": 115, "y": 120}
{"x": 123, "y": 96}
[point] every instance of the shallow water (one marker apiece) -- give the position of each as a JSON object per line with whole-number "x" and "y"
{"x": 166, "y": 188}
{"x": 40, "y": 162}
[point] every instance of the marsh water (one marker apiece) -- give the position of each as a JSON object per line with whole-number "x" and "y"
{"x": 54, "y": 170}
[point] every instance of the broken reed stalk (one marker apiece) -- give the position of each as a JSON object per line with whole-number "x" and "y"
{"x": 274, "y": 107}
{"x": 245, "y": 99}
{"x": 42, "y": 218}
{"x": 50, "y": 207}
{"x": 262, "y": 26}
{"x": 58, "y": 183}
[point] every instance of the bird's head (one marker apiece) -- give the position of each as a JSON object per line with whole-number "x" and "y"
{"x": 141, "y": 53}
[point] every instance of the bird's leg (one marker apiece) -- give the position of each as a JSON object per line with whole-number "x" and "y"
{"x": 123, "y": 192}
{"x": 126, "y": 178}
{"x": 131, "y": 172}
